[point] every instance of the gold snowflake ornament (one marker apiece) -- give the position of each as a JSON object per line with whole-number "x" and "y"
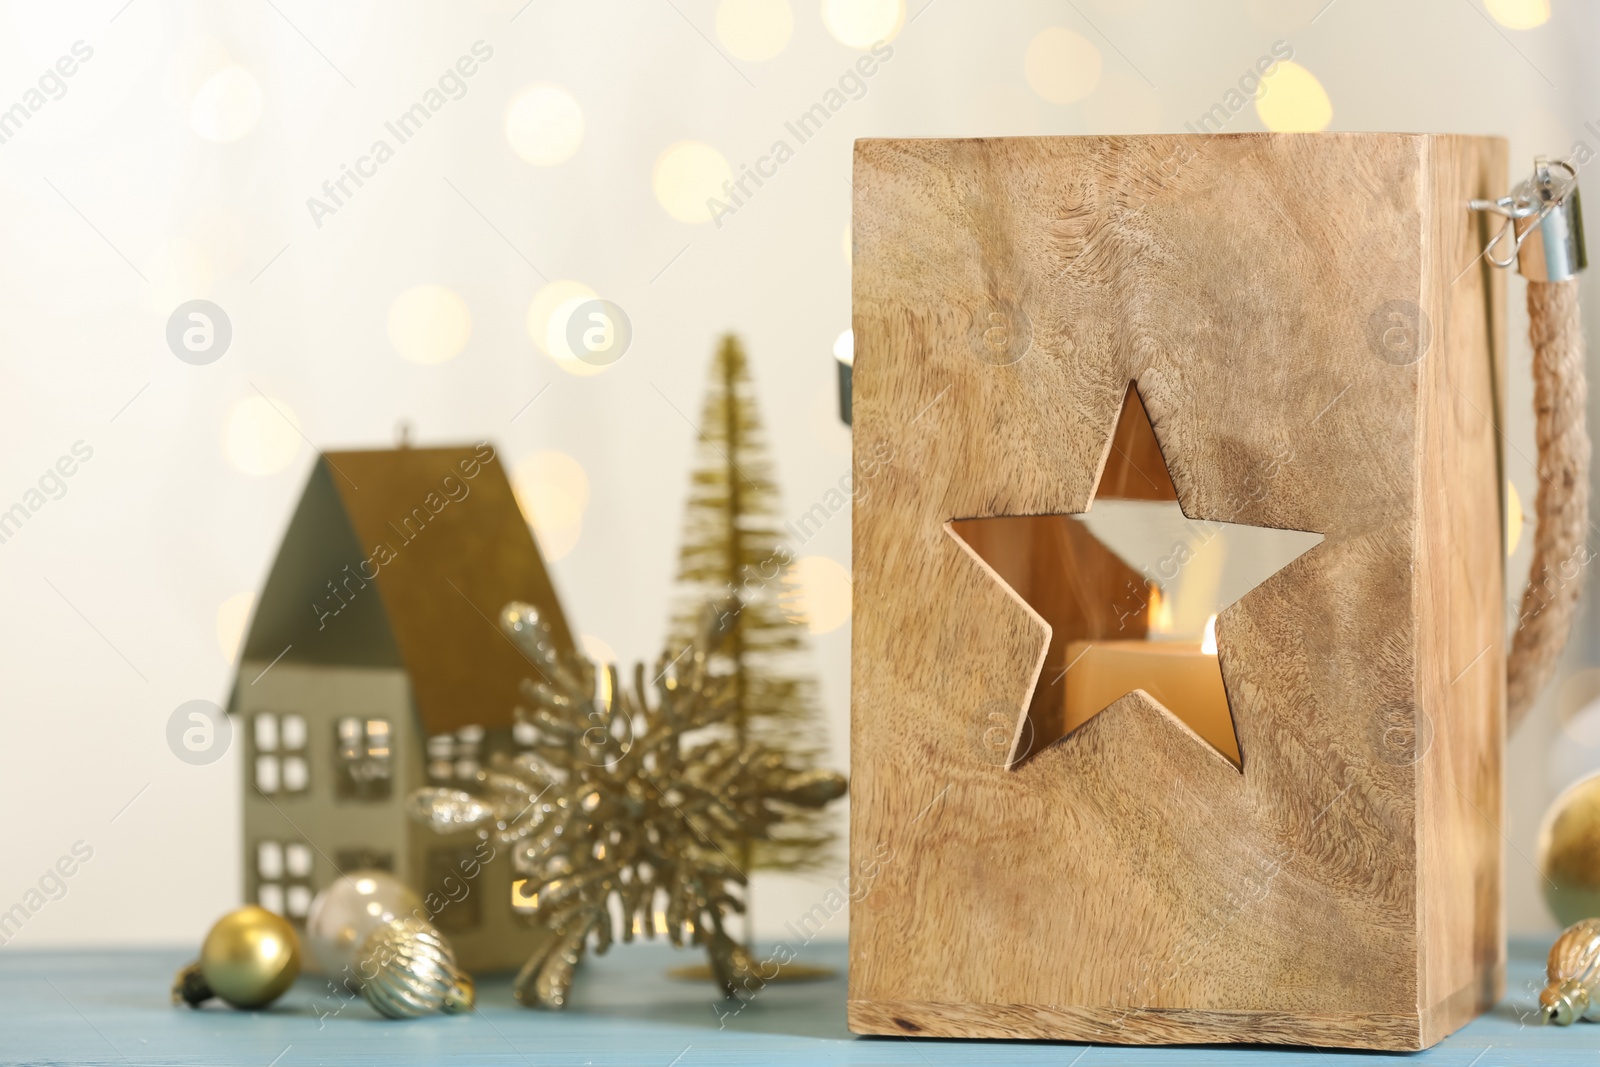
{"x": 621, "y": 799}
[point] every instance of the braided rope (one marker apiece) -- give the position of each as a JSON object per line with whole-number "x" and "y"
{"x": 1560, "y": 547}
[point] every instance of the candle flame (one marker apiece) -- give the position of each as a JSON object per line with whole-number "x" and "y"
{"x": 1159, "y": 620}
{"x": 1208, "y": 643}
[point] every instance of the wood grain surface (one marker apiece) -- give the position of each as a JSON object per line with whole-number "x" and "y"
{"x": 111, "y": 1007}
{"x": 1126, "y": 884}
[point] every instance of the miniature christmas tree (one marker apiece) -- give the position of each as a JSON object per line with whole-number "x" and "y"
{"x": 733, "y": 555}
{"x": 623, "y": 815}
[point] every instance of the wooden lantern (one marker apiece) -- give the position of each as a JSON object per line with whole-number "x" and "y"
{"x": 1307, "y": 325}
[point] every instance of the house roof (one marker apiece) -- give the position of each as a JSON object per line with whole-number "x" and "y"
{"x": 404, "y": 558}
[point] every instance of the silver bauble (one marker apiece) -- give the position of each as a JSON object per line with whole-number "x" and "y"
{"x": 407, "y": 968}
{"x": 346, "y": 912}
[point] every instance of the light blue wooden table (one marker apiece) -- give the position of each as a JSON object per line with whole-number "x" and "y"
{"x": 112, "y": 1008}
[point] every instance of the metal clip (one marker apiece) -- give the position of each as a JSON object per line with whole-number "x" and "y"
{"x": 1544, "y": 222}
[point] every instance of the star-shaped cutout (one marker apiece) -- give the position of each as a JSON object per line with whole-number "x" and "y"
{"x": 1130, "y": 590}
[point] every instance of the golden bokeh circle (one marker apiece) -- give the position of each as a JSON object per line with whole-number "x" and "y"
{"x": 754, "y": 30}
{"x": 261, "y": 437}
{"x": 1061, "y": 66}
{"x": 429, "y": 324}
{"x": 863, "y": 23}
{"x": 687, "y": 177}
{"x": 1292, "y": 100}
{"x": 544, "y": 125}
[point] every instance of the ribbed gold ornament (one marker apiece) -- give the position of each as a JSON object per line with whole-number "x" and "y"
{"x": 1573, "y": 971}
{"x": 407, "y": 968}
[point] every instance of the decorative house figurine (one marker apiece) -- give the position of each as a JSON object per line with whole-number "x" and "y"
{"x": 1307, "y": 324}
{"x": 373, "y": 667}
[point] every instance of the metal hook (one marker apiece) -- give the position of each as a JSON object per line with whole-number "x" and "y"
{"x": 1509, "y": 229}
{"x": 1545, "y": 206}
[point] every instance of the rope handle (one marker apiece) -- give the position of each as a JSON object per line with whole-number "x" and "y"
{"x": 1560, "y": 543}
{"x": 1544, "y": 226}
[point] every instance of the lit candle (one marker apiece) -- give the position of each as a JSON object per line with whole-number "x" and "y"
{"x": 1184, "y": 678}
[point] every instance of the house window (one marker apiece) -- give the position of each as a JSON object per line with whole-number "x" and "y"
{"x": 366, "y": 758}
{"x": 364, "y": 859}
{"x": 280, "y": 753}
{"x": 441, "y": 751}
{"x": 283, "y": 878}
{"x": 456, "y": 757}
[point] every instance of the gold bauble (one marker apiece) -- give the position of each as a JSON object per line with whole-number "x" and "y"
{"x": 1569, "y": 852}
{"x": 250, "y": 957}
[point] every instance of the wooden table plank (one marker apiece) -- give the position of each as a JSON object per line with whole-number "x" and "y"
{"x": 111, "y": 1007}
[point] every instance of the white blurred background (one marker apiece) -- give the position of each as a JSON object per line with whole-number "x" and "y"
{"x": 177, "y": 163}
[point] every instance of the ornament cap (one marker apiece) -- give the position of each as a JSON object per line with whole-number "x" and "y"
{"x": 462, "y": 997}
{"x": 189, "y": 986}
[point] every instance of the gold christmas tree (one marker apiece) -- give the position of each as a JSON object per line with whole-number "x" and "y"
{"x": 733, "y": 555}
{"x": 624, "y": 816}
